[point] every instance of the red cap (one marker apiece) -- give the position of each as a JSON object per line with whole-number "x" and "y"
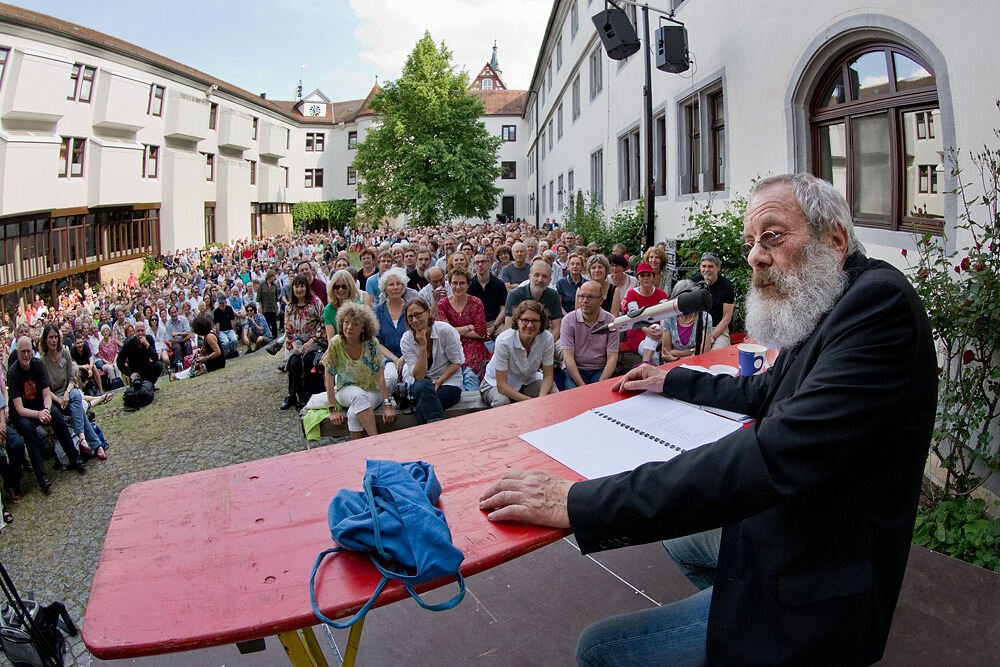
{"x": 645, "y": 267}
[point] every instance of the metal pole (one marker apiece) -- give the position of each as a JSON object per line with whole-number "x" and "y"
{"x": 647, "y": 94}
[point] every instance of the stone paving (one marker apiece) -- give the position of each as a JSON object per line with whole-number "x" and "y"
{"x": 225, "y": 417}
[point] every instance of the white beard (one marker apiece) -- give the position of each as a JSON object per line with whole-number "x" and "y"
{"x": 786, "y": 313}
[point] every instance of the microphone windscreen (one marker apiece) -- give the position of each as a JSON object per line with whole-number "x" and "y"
{"x": 694, "y": 302}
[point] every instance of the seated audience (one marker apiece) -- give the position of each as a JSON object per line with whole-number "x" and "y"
{"x": 137, "y": 358}
{"x": 645, "y": 340}
{"x": 305, "y": 339}
{"x": 33, "y": 405}
{"x": 465, "y": 313}
{"x": 570, "y": 282}
{"x": 224, "y": 318}
{"x": 354, "y": 372}
{"x": 158, "y": 332}
{"x": 588, "y": 357}
{"x": 491, "y": 291}
{"x": 63, "y": 374}
{"x": 11, "y": 451}
{"x": 433, "y": 354}
{"x": 256, "y": 332}
{"x": 521, "y": 367}
{"x": 682, "y": 334}
{"x": 88, "y": 365}
{"x": 598, "y": 268}
{"x": 537, "y": 289}
{"x": 209, "y": 355}
{"x": 179, "y": 336}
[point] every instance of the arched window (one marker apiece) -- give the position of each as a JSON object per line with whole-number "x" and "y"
{"x": 876, "y": 136}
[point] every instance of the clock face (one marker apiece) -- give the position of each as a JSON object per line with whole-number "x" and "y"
{"x": 314, "y": 110}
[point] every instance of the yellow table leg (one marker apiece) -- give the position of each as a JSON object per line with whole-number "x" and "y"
{"x": 302, "y": 648}
{"x": 353, "y": 640}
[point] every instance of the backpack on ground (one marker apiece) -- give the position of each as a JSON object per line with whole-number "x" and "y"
{"x": 29, "y": 633}
{"x": 138, "y": 395}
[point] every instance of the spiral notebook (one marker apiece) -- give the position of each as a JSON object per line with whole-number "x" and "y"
{"x": 624, "y": 435}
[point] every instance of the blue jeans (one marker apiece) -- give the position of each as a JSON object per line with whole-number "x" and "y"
{"x": 470, "y": 381}
{"x": 227, "y": 339}
{"x": 78, "y": 418}
{"x": 673, "y": 634}
{"x": 589, "y": 377}
{"x": 26, "y": 427}
{"x": 432, "y": 404}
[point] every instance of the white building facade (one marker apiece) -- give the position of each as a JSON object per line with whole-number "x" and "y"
{"x": 869, "y": 96}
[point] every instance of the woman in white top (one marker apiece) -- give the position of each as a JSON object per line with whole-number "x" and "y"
{"x": 433, "y": 354}
{"x": 158, "y": 331}
{"x": 521, "y": 367}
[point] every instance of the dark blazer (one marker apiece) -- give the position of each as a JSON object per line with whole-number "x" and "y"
{"x": 134, "y": 359}
{"x": 817, "y": 499}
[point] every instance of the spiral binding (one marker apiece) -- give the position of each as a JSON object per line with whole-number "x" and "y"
{"x": 639, "y": 431}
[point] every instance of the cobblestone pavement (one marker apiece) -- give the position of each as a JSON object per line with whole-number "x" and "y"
{"x": 229, "y": 416}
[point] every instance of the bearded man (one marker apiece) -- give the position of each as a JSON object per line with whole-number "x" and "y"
{"x": 797, "y": 528}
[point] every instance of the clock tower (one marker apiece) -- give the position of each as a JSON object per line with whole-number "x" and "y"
{"x": 314, "y": 105}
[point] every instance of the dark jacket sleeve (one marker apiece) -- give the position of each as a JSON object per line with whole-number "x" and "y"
{"x": 846, "y": 400}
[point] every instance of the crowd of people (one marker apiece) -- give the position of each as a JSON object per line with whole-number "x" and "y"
{"x": 499, "y": 308}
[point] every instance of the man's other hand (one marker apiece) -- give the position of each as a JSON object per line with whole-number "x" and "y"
{"x": 641, "y": 378}
{"x": 532, "y": 497}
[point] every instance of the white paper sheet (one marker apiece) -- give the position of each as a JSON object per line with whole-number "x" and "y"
{"x": 626, "y": 434}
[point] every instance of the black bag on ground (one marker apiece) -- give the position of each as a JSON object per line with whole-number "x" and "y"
{"x": 138, "y": 395}
{"x": 29, "y": 633}
{"x": 115, "y": 383}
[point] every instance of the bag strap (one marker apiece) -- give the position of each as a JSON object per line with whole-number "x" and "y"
{"x": 340, "y": 625}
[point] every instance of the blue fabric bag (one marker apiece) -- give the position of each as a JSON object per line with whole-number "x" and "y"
{"x": 394, "y": 517}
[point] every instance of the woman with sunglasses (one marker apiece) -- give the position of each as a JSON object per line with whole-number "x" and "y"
{"x": 521, "y": 367}
{"x": 159, "y": 333}
{"x": 341, "y": 289}
{"x": 433, "y": 354}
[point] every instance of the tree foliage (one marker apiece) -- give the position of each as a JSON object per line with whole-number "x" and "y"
{"x": 429, "y": 156}
{"x": 336, "y": 212}
{"x": 585, "y": 217}
{"x": 719, "y": 230}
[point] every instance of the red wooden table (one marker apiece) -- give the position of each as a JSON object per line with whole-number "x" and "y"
{"x": 224, "y": 556}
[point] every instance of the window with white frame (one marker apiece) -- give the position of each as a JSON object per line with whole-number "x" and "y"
{"x": 155, "y": 106}
{"x": 576, "y": 97}
{"x": 508, "y": 132}
{"x": 559, "y": 121}
{"x": 209, "y": 166}
{"x": 552, "y": 193}
{"x": 541, "y": 143}
{"x": 352, "y": 176}
{"x": 628, "y": 166}
{"x": 596, "y": 79}
{"x": 531, "y": 162}
{"x": 550, "y": 134}
{"x": 597, "y": 175}
{"x": 574, "y": 20}
{"x": 487, "y": 84}
{"x": 543, "y": 199}
{"x": 560, "y": 192}
{"x": 548, "y": 76}
{"x": 559, "y": 54}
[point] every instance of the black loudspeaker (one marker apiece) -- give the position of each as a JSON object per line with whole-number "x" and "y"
{"x": 616, "y": 33}
{"x": 672, "y": 49}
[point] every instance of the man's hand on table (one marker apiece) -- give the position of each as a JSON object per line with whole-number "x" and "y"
{"x": 529, "y": 496}
{"x": 641, "y": 378}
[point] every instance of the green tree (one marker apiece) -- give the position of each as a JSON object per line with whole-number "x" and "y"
{"x": 429, "y": 156}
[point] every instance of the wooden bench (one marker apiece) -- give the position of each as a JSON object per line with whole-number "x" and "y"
{"x": 471, "y": 401}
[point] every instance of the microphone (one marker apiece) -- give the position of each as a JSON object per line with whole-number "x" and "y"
{"x": 690, "y": 302}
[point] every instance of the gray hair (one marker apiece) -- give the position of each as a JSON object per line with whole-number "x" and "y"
{"x": 599, "y": 259}
{"x": 824, "y": 208}
{"x": 361, "y": 314}
{"x": 394, "y": 272}
{"x": 682, "y": 287}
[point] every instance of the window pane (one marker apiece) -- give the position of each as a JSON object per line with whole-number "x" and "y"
{"x": 910, "y": 74}
{"x": 869, "y": 76}
{"x": 872, "y": 174}
{"x": 834, "y": 94}
{"x": 923, "y": 167}
{"x": 833, "y": 156}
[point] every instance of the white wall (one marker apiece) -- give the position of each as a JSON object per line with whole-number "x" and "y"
{"x": 759, "y": 62}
